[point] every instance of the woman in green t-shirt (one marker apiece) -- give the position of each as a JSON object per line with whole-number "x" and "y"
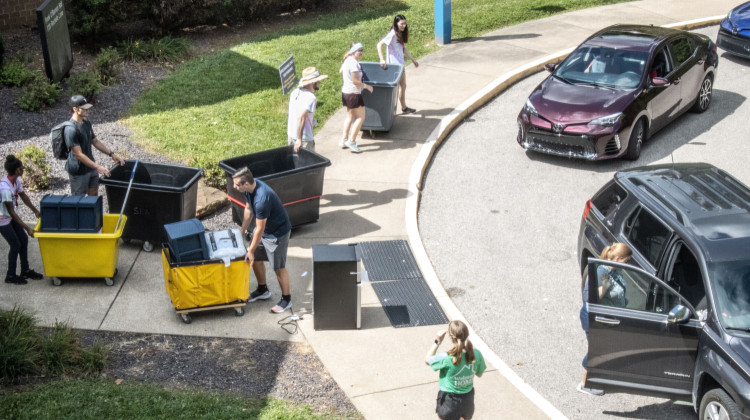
{"x": 457, "y": 368}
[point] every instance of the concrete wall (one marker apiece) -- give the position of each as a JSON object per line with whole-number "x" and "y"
{"x": 16, "y": 13}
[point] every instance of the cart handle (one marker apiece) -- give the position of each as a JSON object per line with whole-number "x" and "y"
{"x": 127, "y": 193}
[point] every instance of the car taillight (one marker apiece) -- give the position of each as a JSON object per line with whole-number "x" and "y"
{"x": 587, "y": 209}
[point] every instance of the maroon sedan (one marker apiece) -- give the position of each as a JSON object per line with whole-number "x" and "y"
{"x": 616, "y": 89}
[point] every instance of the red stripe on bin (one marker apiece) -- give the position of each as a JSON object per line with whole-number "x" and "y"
{"x": 240, "y": 203}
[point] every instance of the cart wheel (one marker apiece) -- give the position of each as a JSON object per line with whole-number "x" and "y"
{"x": 239, "y": 312}
{"x": 148, "y": 246}
{"x": 186, "y": 318}
{"x": 114, "y": 275}
{"x": 110, "y": 281}
{"x": 56, "y": 281}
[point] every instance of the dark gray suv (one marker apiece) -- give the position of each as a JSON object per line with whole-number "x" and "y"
{"x": 683, "y": 331}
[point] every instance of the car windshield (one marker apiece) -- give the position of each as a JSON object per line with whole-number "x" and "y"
{"x": 601, "y": 66}
{"x": 731, "y": 288}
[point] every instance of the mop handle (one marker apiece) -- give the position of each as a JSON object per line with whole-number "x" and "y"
{"x": 127, "y": 193}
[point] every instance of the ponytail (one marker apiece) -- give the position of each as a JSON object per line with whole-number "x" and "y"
{"x": 459, "y": 333}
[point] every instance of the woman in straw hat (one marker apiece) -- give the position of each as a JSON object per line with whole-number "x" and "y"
{"x": 351, "y": 96}
{"x": 302, "y": 104}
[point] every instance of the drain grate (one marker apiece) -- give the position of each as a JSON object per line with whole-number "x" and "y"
{"x": 409, "y": 303}
{"x": 389, "y": 260}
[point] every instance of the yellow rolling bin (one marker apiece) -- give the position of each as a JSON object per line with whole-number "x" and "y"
{"x": 206, "y": 285}
{"x": 72, "y": 254}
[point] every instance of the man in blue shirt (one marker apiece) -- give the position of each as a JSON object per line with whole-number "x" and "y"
{"x": 272, "y": 229}
{"x": 83, "y": 171}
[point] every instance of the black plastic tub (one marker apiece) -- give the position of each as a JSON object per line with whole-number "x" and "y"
{"x": 297, "y": 178}
{"x": 160, "y": 194}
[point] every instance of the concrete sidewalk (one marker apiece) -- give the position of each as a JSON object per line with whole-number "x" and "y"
{"x": 368, "y": 197}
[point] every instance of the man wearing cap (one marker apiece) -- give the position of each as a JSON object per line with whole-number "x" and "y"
{"x": 302, "y": 104}
{"x": 83, "y": 171}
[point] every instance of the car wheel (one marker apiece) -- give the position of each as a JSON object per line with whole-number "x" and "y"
{"x": 636, "y": 140}
{"x": 717, "y": 404}
{"x": 704, "y": 95}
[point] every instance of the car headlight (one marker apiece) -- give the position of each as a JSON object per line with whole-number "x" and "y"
{"x": 607, "y": 121}
{"x": 529, "y": 108}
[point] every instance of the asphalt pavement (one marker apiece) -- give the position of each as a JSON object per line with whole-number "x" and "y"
{"x": 517, "y": 216}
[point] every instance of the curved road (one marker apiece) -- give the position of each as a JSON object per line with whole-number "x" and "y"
{"x": 501, "y": 226}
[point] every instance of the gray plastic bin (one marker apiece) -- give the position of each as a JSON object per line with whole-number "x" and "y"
{"x": 380, "y": 105}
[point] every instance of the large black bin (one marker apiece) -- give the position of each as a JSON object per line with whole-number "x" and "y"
{"x": 380, "y": 105}
{"x": 297, "y": 178}
{"x": 160, "y": 194}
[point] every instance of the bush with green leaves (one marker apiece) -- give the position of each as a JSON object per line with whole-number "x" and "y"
{"x": 39, "y": 94}
{"x": 19, "y": 342}
{"x": 26, "y": 349}
{"x": 85, "y": 83}
{"x": 36, "y": 169}
{"x": 213, "y": 175}
{"x": 108, "y": 64}
{"x": 165, "y": 49}
{"x": 15, "y": 73}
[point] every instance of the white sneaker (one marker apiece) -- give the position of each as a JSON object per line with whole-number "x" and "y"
{"x": 343, "y": 142}
{"x": 352, "y": 145}
{"x": 591, "y": 391}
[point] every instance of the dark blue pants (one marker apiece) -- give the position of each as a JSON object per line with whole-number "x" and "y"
{"x": 19, "y": 244}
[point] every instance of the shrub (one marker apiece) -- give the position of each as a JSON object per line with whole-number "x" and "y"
{"x": 213, "y": 175}
{"x": 38, "y": 94}
{"x": 2, "y": 50}
{"x": 26, "y": 349}
{"x": 85, "y": 83}
{"x": 15, "y": 73}
{"x": 164, "y": 49}
{"x": 36, "y": 168}
{"x": 108, "y": 65}
{"x": 18, "y": 344}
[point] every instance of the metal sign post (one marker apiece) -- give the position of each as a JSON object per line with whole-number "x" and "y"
{"x": 443, "y": 21}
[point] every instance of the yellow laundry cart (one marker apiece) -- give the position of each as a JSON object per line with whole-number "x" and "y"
{"x": 206, "y": 285}
{"x": 77, "y": 255}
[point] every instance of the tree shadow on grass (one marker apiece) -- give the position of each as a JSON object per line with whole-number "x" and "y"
{"x": 230, "y": 74}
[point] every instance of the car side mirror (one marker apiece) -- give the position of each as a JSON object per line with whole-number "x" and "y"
{"x": 550, "y": 67}
{"x": 659, "y": 81}
{"x": 678, "y": 315}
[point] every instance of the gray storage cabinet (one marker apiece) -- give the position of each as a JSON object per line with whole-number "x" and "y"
{"x": 380, "y": 105}
{"x": 336, "y": 287}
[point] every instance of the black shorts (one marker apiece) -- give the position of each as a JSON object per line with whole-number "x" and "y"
{"x": 452, "y": 406}
{"x": 352, "y": 100}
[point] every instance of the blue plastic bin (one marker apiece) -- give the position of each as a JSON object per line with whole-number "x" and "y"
{"x": 187, "y": 241}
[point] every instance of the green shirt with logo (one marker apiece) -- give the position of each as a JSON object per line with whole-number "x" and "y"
{"x": 458, "y": 379}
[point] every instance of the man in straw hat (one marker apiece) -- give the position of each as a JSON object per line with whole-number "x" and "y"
{"x": 302, "y": 103}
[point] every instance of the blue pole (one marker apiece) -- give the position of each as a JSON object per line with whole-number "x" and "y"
{"x": 443, "y": 21}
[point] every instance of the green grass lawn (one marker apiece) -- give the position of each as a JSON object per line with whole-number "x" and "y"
{"x": 230, "y": 103}
{"x": 103, "y": 399}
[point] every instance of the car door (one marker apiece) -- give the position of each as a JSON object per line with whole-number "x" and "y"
{"x": 663, "y": 101}
{"x": 688, "y": 74}
{"x": 633, "y": 348}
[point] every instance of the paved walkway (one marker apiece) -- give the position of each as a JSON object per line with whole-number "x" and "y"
{"x": 369, "y": 197}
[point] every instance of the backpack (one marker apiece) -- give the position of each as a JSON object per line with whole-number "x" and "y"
{"x": 57, "y": 137}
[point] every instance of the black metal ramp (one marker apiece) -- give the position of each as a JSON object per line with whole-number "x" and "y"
{"x": 389, "y": 260}
{"x": 409, "y": 303}
{"x": 399, "y": 285}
